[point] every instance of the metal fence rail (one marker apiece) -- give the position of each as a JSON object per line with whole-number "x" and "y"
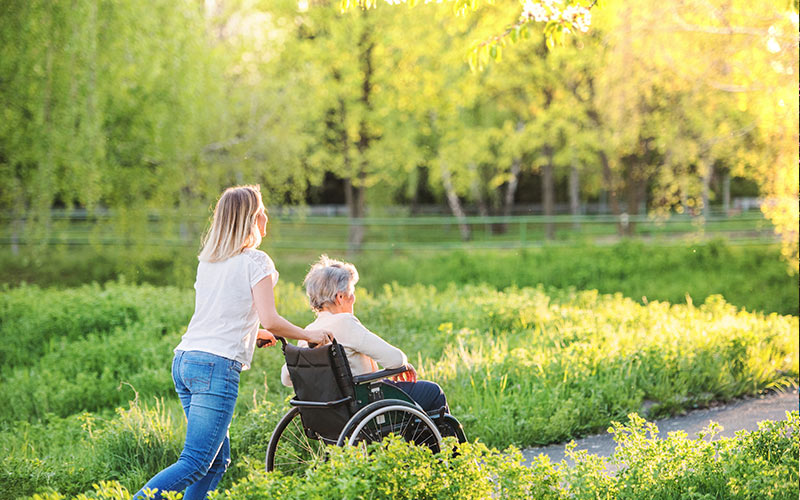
{"x": 171, "y": 228}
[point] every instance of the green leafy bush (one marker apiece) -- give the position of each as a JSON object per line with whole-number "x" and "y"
{"x": 91, "y": 374}
{"x": 749, "y": 276}
{"x": 138, "y": 443}
{"x": 752, "y": 465}
{"x": 35, "y": 321}
{"x": 522, "y": 365}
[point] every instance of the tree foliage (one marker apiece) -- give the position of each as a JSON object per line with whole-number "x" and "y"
{"x": 133, "y": 107}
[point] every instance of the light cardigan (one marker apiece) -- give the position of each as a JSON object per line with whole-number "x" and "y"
{"x": 364, "y": 350}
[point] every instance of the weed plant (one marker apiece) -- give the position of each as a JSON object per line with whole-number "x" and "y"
{"x": 520, "y": 366}
{"x": 749, "y": 276}
{"x": 751, "y": 465}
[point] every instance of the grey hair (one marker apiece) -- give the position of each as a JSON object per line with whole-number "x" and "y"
{"x": 326, "y": 278}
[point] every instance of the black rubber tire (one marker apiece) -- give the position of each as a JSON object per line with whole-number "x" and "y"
{"x": 381, "y": 418}
{"x": 295, "y": 451}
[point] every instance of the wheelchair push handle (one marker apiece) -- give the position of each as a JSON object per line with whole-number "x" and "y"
{"x": 263, "y": 342}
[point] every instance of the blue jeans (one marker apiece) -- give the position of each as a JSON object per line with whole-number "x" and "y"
{"x": 207, "y": 385}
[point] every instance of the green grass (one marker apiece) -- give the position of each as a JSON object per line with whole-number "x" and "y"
{"x": 752, "y": 277}
{"x": 522, "y": 365}
{"x": 752, "y": 465}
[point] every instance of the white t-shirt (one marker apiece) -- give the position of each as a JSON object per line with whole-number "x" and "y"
{"x": 364, "y": 350}
{"x": 225, "y": 321}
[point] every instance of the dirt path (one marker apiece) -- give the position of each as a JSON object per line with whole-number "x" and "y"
{"x": 734, "y": 416}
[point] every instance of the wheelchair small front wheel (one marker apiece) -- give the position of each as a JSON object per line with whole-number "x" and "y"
{"x": 449, "y": 426}
{"x": 290, "y": 450}
{"x": 400, "y": 419}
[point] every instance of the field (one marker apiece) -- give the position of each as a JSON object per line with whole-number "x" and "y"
{"x": 749, "y": 276}
{"x": 86, "y": 392}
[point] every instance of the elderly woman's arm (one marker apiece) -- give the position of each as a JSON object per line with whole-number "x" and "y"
{"x": 366, "y": 342}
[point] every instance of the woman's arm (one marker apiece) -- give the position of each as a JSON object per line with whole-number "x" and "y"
{"x": 268, "y": 316}
{"x": 387, "y": 355}
{"x": 366, "y": 342}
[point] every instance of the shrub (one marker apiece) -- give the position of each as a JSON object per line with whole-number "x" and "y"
{"x": 761, "y": 464}
{"x": 35, "y": 321}
{"x": 138, "y": 443}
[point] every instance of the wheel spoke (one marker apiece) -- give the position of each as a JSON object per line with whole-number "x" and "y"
{"x": 408, "y": 423}
{"x": 294, "y": 451}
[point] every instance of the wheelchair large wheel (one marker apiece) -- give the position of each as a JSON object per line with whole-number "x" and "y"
{"x": 290, "y": 450}
{"x": 382, "y": 418}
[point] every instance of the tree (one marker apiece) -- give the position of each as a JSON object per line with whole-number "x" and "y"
{"x": 558, "y": 18}
{"x": 353, "y": 126}
{"x": 721, "y": 79}
{"x": 92, "y": 92}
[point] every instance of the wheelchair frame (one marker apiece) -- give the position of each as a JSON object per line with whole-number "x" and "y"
{"x": 376, "y": 409}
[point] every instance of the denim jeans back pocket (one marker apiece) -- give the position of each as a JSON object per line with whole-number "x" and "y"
{"x": 197, "y": 375}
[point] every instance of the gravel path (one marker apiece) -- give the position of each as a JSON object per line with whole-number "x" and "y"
{"x": 734, "y": 416}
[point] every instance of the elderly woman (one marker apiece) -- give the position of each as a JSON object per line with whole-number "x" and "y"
{"x": 330, "y": 287}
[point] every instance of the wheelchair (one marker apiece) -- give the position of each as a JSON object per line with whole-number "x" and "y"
{"x": 332, "y": 407}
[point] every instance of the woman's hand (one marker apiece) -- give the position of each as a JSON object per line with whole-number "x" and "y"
{"x": 264, "y": 300}
{"x": 265, "y": 338}
{"x": 318, "y": 337}
{"x": 409, "y": 375}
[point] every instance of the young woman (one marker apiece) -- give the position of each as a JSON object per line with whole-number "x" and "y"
{"x": 233, "y": 294}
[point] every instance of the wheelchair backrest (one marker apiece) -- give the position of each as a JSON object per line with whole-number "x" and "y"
{"x": 321, "y": 374}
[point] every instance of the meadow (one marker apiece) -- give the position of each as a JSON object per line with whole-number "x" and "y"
{"x": 751, "y": 276}
{"x": 752, "y": 465}
{"x": 86, "y": 393}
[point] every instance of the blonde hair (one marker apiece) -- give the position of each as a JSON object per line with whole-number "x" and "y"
{"x": 234, "y": 227}
{"x": 326, "y": 278}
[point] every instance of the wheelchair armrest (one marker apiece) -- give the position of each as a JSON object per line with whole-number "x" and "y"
{"x": 320, "y": 404}
{"x": 369, "y": 377}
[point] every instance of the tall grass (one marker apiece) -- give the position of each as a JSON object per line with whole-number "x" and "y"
{"x": 71, "y": 454}
{"x": 751, "y": 465}
{"x": 749, "y": 276}
{"x": 34, "y": 321}
{"x": 523, "y": 365}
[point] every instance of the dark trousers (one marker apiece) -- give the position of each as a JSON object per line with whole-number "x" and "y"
{"x": 427, "y": 394}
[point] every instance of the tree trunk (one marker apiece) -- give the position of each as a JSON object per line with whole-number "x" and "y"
{"x": 509, "y": 194}
{"x": 611, "y": 189}
{"x": 726, "y": 193}
{"x": 635, "y": 194}
{"x": 417, "y": 180}
{"x": 511, "y": 189}
{"x": 548, "y": 193}
{"x": 477, "y": 194}
{"x": 631, "y": 201}
{"x": 574, "y": 195}
{"x": 17, "y": 228}
{"x": 453, "y": 201}
{"x": 513, "y": 181}
{"x": 684, "y": 196}
{"x": 707, "y": 172}
{"x": 358, "y": 199}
